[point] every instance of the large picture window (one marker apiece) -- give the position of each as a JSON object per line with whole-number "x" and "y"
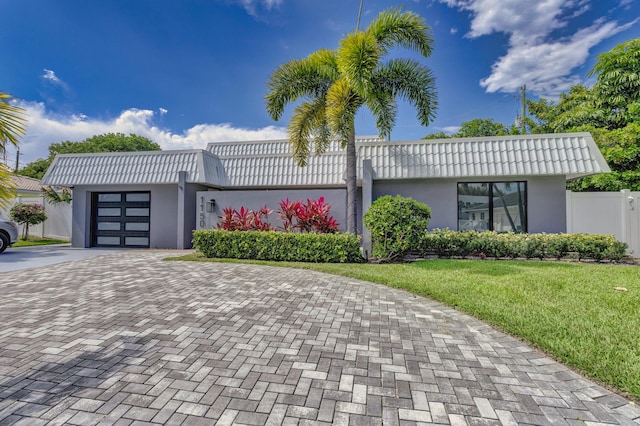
{"x": 494, "y": 206}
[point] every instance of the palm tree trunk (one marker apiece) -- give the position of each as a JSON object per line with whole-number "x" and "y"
{"x": 352, "y": 186}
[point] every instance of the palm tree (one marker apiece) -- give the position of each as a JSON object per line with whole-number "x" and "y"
{"x": 12, "y": 127}
{"x": 336, "y": 83}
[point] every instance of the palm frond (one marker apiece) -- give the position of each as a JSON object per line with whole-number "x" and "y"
{"x": 7, "y": 188}
{"x": 342, "y": 106}
{"x": 393, "y": 27}
{"x": 308, "y": 77}
{"x": 411, "y": 81}
{"x": 358, "y": 57}
{"x": 12, "y": 122}
{"x": 384, "y": 108}
{"x": 307, "y": 124}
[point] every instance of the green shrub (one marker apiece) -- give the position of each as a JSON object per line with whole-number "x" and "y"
{"x": 446, "y": 243}
{"x": 397, "y": 225}
{"x": 278, "y": 246}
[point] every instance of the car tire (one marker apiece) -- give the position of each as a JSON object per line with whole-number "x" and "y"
{"x": 4, "y": 242}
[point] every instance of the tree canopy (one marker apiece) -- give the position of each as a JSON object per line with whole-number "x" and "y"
{"x": 476, "y": 128}
{"x": 110, "y": 142}
{"x": 610, "y": 110}
{"x": 335, "y": 84}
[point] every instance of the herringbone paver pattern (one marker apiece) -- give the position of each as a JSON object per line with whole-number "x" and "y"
{"x": 129, "y": 339}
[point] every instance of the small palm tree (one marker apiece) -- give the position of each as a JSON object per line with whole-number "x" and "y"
{"x": 12, "y": 127}
{"x": 336, "y": 83}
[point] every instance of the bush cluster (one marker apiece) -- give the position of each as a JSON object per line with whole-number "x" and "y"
{"x": 312, "y": 216}
{"x": 396, "y": 225}
{"x": 447, "y": 243}
{"x": 278, "y": 246}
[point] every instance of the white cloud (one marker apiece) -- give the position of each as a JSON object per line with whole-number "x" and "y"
{"x": 453, "y": 31}
{"x": 44, "y": 129}
{"x": 534, "y": 57}
{"x": 163, "y": 111}
{"x": 546, "y": 67}
{"x": 252, "y": 6}
{"x": 51, "y": 76}
{"x": 450, "y": 129}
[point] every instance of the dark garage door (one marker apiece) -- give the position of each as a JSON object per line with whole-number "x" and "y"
{"x": 120, "y": 219}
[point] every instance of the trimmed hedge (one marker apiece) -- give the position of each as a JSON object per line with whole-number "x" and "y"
{"x": 447, "y": 243}
{"x": 278, "y": 246}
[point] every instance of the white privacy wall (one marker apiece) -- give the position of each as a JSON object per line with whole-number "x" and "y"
{"x": 611, "y": 213}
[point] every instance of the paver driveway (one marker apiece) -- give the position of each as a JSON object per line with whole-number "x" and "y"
{"x": 126, "y": 338}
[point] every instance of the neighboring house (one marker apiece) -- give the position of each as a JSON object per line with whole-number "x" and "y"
{"x": 26, "y": 187}
{"x": 27, "y": 190}
{"x": 58, "y": 223}
{"x": 156, "y": 199}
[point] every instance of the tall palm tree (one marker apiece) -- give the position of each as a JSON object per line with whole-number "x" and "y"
{"x": 12, "y": 127}
{"x": 336, "y": 83}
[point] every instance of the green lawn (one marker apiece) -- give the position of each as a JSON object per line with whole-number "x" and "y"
{"x": 35, "y": 241}
{"x": 572, "y": 311}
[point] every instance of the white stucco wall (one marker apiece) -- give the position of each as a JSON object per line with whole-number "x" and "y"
{"x": 546, "y": 199}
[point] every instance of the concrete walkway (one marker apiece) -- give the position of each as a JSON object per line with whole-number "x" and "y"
{"x": 126, "y": 338}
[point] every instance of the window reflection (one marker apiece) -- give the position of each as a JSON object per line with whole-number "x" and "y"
{"x": 498, "y": 206}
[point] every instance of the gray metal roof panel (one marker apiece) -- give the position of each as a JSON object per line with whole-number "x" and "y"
{"x": 148, "y": 167}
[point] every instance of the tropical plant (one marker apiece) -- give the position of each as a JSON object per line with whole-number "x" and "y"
{"x": 27, "y": 214}
{"x": 335, "y": 84}
{"x": 245, "y": 219}
{"x": 610, "y": 111}
{"x": 310, "y": 217}
{"x": 55, "y": 197}
{"x": 12, "y": 128}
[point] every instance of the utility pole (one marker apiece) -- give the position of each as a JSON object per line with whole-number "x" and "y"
{"x": 17, "y": 159}
{"x": 359, "y": 15}
{"x": 523, "y": 96}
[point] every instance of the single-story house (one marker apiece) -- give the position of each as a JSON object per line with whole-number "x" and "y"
{"x": 156, "y": 199}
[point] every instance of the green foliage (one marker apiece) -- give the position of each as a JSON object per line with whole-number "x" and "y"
{"x": 437, "y": 135}
{"x": 446, "y": 243}
{"x": 55, "y": 197}
{"x": 621, "y": 149}
{"x": 478, "y": 127}
{"x": 110, "y": 142}
{"x": 36, "y": 169}
{"x": 482, "y": 127}
{"x": 618, "y": 81}
{"x": 610, "y": 111}
{"x": 12, "y": 128}
{"x": 12, "y": 121}
{"x": 396, "y": 225}
{"x": 278, "y": 246}
{"x": 27, "y": 214}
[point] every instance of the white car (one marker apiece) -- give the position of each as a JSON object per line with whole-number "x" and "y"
{"x": 8, "y": 233}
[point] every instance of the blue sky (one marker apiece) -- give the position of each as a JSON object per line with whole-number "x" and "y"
{"x": 187, "y": 72}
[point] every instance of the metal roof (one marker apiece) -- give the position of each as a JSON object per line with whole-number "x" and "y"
{"x": 264, "y": 164}
{"x": 570, "y": 154}
{"x": 148, "y": 167}
{"x": 269, "y": 163}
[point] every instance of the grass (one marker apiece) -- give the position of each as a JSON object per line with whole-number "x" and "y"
{"x": 572, "y": 311}
{"x": 35, "y": 241}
